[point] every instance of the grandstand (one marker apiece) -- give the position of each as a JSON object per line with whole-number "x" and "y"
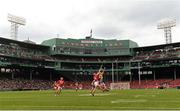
{"x": 76, "y": 59}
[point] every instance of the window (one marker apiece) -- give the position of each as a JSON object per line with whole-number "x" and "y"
{"x": 86, "y": 44}
{"x": 76, "y": 44}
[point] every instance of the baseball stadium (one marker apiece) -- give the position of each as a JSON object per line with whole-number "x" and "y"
{"x": 137, "y": 77}
{"x": 89, "y": 55}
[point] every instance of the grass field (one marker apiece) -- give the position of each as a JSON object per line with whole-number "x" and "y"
{"x": 119, "y": 99}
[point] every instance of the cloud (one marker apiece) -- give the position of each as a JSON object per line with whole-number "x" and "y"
{"x": 109, "y": 19}
{"x": 149, "y": 12}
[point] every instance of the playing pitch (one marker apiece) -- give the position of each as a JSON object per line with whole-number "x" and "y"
{"x": 72, "y": 100}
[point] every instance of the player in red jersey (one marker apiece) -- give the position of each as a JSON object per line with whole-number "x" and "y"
{"x": 55, "y": 86}
{"x": 96, "y": 81}
{"x": 77, "y": 86}
{"x": 58, "y": 85}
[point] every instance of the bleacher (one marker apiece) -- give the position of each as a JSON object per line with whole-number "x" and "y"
{"x": 72, "y": 58}
{"x": 157, "y": 54}
{"x": 147, "y": 84}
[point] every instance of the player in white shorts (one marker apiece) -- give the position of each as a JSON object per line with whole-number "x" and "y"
{"x": 96, "y": 81}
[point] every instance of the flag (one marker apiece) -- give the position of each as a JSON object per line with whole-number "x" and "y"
{"x": 91, "y": 33}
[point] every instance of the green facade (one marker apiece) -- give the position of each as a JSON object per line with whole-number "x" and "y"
{"x": 89, "y": 47}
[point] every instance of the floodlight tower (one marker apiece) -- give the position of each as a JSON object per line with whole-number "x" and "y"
{"x": 15, "y": 22}
{"x": 166, "y": 24}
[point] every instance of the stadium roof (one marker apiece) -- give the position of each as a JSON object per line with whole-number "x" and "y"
{"x": 22, "y": 43}
{"x": 161, "y": 46}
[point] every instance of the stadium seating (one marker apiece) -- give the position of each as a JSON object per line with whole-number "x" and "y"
{"x": 146, "y": 84}
{"x": 17, "y": 51}
{"x": 21, "y": 84}
{"x": 7, "y": 84}
{"x": 174, "y": 83}
{"x": 53, "y": 59}
{"x": 157, "y": 53}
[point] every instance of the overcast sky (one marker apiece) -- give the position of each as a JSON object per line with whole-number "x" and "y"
{"x": 109, "y": 19}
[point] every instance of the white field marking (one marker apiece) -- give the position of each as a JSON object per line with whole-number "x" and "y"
{"x": 129, "y": 108}
{"x": 168, "y": 101}
{"x": 128, "y": 101}
{"x": 136, "y": 96}
{"x": 100, "y": 94}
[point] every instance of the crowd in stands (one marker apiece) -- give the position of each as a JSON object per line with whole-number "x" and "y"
{"x": 93, "y": 59}
{"x": 82, "y": 85}
{"x": 158, "y": 53}
{"x": 94, "y": 51}
{"x": 7, "y": 84}
{"x": 21, "y": 84}
{"x": 22, "y": 52}
{"x": 17, "y": 51}
{"x": 25, "y": 62}
{"x": 160, "y": 83}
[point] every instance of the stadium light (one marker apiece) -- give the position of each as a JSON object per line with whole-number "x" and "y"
{"x": 166, "y": 24}
{"x": 15, "y": 22}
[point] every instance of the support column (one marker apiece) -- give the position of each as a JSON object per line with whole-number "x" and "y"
{"x": 130, "y": 77}
{"x": 112, "y": 73}
{"x": 117, "y": 78}
{"x": 60, "y": 65}
{"x": 174, "y": 73}
{"x": 139, "y": 72}
{"x": 154, "y": 75}
{"x": 130, "y": 73}
{"x": 12, "y": 74}
{"x": 75, "y": 76}
{"x": 50, "y": 76}
{"x": 30, "y": 75}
